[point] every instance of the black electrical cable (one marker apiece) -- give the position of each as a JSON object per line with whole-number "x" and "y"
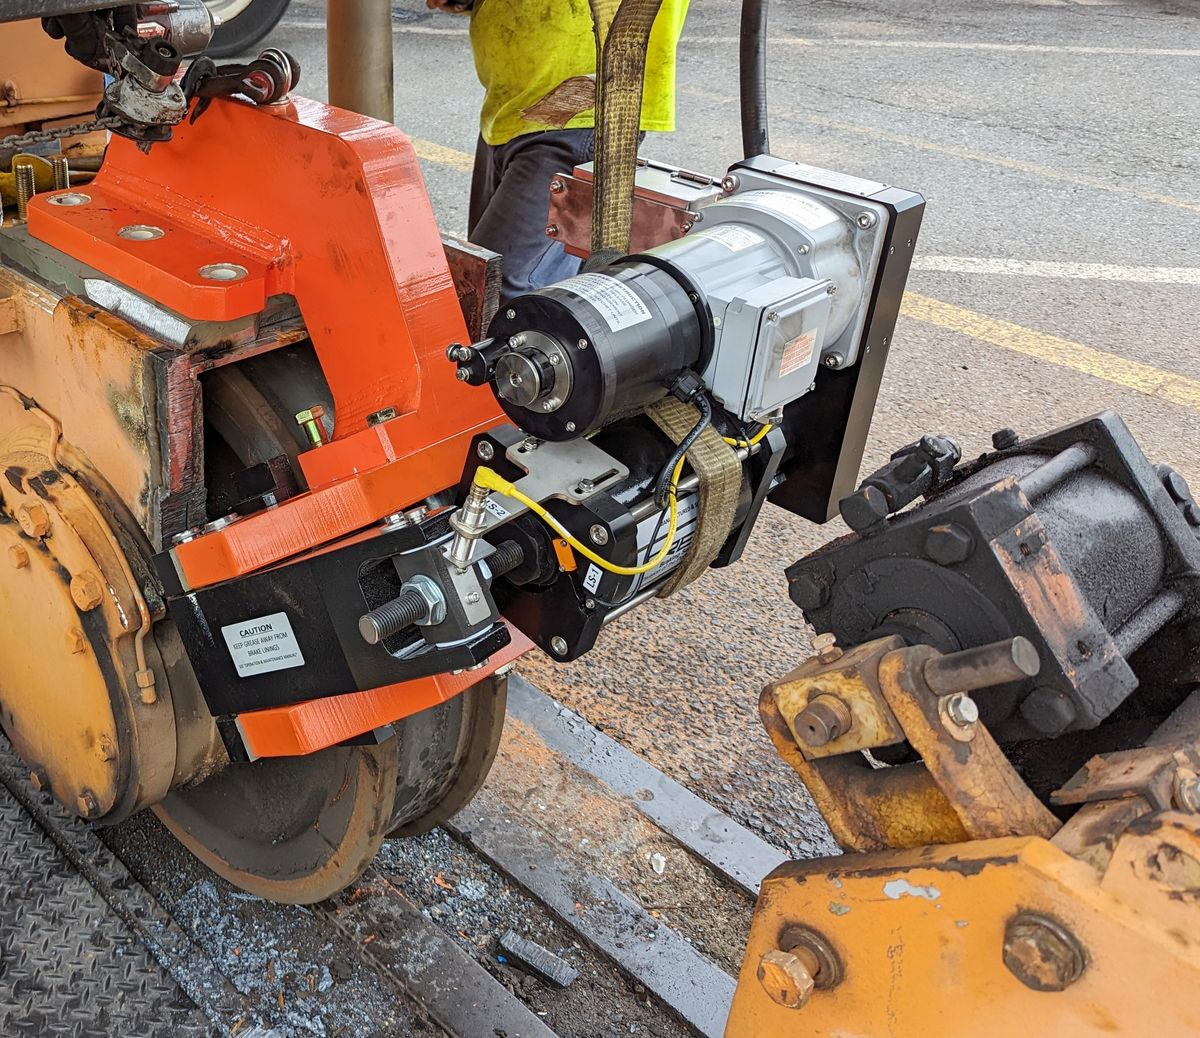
{"x": 752, "y": 70}
{"x": 662, "y": 486}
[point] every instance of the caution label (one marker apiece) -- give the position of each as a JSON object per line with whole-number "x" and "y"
{"x": 807, "y": 212}
{"x": 619, "y": 305}
{"x": 262, "y": 645}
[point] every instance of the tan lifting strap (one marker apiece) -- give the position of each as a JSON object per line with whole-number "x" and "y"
{"x": 720, "y": 472}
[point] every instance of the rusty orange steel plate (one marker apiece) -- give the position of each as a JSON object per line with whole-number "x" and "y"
{"x": 289, "y": 731}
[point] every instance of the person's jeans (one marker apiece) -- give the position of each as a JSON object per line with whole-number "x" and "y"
{"x": 510, "y": 200}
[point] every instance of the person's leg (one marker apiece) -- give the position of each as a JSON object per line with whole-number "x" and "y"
{"x": 513, "y": 221}
{"x": 483, "y": 182}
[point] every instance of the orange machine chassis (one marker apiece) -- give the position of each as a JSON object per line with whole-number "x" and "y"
{"x": 329, "y": 207}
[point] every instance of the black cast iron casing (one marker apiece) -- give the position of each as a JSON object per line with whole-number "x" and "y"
{"x": 1070, "y": 539}
{"x": 322, "y": 595}
{"x": 626, "y": 332}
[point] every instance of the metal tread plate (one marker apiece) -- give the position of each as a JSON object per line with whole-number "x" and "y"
{"x": 69, "y": 965}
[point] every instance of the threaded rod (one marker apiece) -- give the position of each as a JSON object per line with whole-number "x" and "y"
{"x": 392, "y": 617}
{"x": 26, "y": 188}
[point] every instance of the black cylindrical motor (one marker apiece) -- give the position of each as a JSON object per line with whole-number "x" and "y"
{"x": 605, "y": 345}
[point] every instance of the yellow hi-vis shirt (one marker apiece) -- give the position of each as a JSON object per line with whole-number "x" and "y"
{"x": 537, "y": 61}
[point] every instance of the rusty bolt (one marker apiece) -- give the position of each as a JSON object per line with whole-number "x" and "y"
{"x": 826, "y": 648}
{"x": 1042, "y": 953}
{"x": 87, "y": 590}
{"x": 787, "y": 976}
{"x": 34, "y": 520}
{"x": 949, "y": 543}
{"x": 86, "y": 805}
{"x": 106, "y": 749}
{"x": 1187, "y": 790}
{"x": 39, "y": 780}
{"x": 18, "y": 556}
{"x": 824, "y": 719}
{"x": 1004, "y": 438}
{"x": 76, "y": 642}
{"x": 810, "y": 590}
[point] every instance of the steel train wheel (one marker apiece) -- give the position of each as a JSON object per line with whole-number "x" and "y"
{"x": 300, "y": 829}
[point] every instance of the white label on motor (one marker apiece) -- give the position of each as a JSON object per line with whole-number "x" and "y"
{"x": 591, "y": 580}
{"x": 617, "y": 303}
{"x": 651, "y": 533}
{"x": 262, "y": 645}
{"x": 797, "y": 353}
{"x": 807, "y": 212}
{"x": 732, "y": 236}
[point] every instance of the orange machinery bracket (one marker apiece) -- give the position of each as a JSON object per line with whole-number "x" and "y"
{"x": 330, "y": 207}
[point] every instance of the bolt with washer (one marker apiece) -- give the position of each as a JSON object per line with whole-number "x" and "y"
{"x": 962, "y": 709}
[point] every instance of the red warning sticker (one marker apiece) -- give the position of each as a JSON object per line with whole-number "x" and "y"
{"x": 797, "y": 353}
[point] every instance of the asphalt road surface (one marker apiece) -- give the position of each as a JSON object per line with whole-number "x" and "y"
{"x": 1058, "y": 274}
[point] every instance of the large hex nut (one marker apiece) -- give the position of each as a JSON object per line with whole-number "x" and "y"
{"x": 34, "y": 520}
{"x": 949, "y": 543}
{"x": 785, "y": 978}
{"x": 1042, "y": 953}
{"x": 87, "y": 590}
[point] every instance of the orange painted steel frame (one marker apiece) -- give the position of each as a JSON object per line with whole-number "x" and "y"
{"x": 329, "y": 207}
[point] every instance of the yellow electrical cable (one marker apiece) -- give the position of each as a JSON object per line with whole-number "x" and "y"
{"x": 750, "y": 442}
{"x": 492, "y": 480}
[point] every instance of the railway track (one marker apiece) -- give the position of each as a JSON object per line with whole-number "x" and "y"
{"x": 575, "y": 844}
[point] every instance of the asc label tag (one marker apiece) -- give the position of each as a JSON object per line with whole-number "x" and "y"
{"x": 262, "y": 645}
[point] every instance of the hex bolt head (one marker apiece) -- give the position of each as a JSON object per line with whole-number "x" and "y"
{"x": 1004, "y": 438}
{"x": 962, "y": 709}
{"x": 18, "y": 556}
{"x": 39, "y": 780}
{"x": 34, "y": 520}
{"x": 785, "y": 978}
{"x": 86, "y": 805}
{"x": 106, "y": 749}
{"x": 76, "y": 642}
{"x": 864, "y": 509}
{"x": 597, "y": 534}
{"x": 826, "y": 648}
{"x": 485, "y": 450}
{"x": 1042, "y": 953}
{"x": 1049, "y": 710}
{"x": 949, "y": 543}
{"x": 87, "y": 590}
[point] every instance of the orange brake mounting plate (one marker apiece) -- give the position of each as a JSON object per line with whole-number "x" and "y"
{"x": 327, "y": 206}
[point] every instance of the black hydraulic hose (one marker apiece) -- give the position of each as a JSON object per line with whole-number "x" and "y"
{"x": 753, "y": 78}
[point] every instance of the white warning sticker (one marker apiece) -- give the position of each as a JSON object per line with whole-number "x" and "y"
{"x": 732, "y": 236}
{"x": 617, "y": 303}
{"x": 797, "y": 353}
{"x": 807, "y": 212}
{"x": 262, "y": 645}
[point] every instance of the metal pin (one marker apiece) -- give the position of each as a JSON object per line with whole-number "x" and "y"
{"x": 62, "y": 172}
{"x": 26, "y": 188}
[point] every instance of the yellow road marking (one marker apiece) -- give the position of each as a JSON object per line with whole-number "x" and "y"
{"x": 1120, "y": 371}
{"x": 1033, "y": 168}
{"x": 431, "y": 151}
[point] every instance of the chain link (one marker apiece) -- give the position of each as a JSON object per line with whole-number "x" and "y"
{"x": 22, "y": 140}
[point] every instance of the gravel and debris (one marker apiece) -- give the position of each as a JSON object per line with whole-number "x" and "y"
{"x": 303, "y": 979}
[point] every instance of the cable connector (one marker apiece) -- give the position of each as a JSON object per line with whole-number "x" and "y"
{"x": 687, "y": 386}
